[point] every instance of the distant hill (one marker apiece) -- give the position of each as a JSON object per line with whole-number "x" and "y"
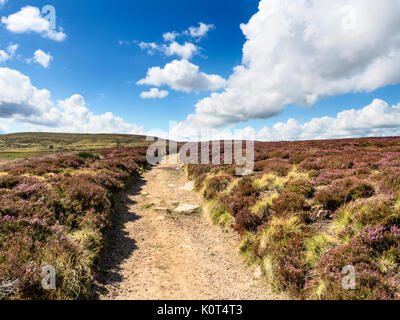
{"x": 25, "y": 145}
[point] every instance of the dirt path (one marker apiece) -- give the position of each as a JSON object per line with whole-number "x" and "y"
{"x": 157, "y": 253}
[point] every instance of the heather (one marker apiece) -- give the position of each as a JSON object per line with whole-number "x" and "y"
{"x": 312, "y": 208}
{"x": 54, "y": 211}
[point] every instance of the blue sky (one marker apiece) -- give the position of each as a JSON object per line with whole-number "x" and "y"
{"x": 101, "y": 61}
{"x": 92, "y": 63}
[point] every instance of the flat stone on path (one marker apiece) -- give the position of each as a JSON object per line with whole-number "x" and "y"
{"x": 188, "y": 186}
{"x": 244, "y": 172}
{"x": 187, "y": 208}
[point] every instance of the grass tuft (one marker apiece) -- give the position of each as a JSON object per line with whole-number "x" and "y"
{"x": 316, "y": 246}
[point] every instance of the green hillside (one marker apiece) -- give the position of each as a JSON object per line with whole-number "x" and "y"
{"x": 25, "y": 145}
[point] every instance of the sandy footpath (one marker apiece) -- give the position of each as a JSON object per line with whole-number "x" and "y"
{"x": 158, "y": 253}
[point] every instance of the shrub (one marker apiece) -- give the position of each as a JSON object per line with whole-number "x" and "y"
{"x": 87, "y": 155}
{"x": 84, "y": 190}
{"x": 219, "y": 214}
{"x": 369, "y": 212}
{"x": 302, "y": 187}
{"x": 9, "y": 181}
{"x": 109, "y": 181}
{"x": 298, "y": 158}
{"x": 58, "y": 220}
{"x": 245, "y": 188}
{"x": 343, "y": 191}
{"x": 34, "y": 191}
{"x": 279, "y": 167}
{"x": 199, "y": 182}
{"x": 216, "y": 184}
{"x": 246, "y": 247}
{"x": 316, "y": 246}
{"x": 69, "y": 162}
{"x": 194, "y": 171}
{"x": 259, "y": 166}
{"x": 33, "y": 243}
{"x": 263, "y": 208}
{"x": 235, "y": 204}
{"x": 338, "y": 161}
{"x": 85, "y": 202}
{"x": 363, "y": 253}
{"x": 389, "y": 180}
{"x": 326, "y": 177}
{"x": 311, "y": 164}
{"x": 289, "y": 203}
{"x": 280, "y": 245}
{"x": 245, "y": 221}
{"x": 354, "y": 181}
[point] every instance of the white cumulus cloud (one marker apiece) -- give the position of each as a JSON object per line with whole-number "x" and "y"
{"x": 76, "y": 117}
{"x": 375, "y": 120}
{"x": 378, "y": 119}
{"x": 154, "y": 93}
{"x": 42, "y": 58}
{"x": 149, "y": 46}
{"x": 170, "y": 36}
{"x": 200, "y": 31}
{"x": 29, "y": 19}
{"x": 21, "y": 102}
{"x": 181, "y": 75}
{"x": 194, "y": 32}
{"x": 8, "y": 53}
{"x": 184, "y": 51}
{"x": 297, "y": 51}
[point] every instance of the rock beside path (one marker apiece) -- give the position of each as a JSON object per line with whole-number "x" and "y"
{"x": 187, "y": 208}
